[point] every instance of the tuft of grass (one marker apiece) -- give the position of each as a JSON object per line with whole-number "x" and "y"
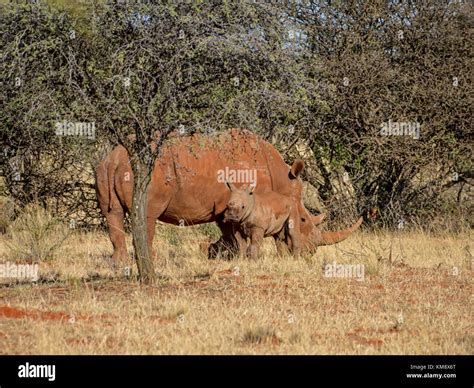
{"x": 295, "y": 338}
{"x": 173, "y": 312}
{"x": 36, "y": 235}
{"x": 7, "y": 210}
{"x": 259, "y": 335}
{"x": 210, "y": 230}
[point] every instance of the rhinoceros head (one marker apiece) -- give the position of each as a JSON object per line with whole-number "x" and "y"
{"x": 240, "y": 203}
{"x": 310, "y": 235}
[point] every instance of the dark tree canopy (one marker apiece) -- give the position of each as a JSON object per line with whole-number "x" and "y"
{"x": 319, "y": 79}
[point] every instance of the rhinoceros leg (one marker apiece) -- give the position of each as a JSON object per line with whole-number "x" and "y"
{"x": 281, "y": 245}
{"x": 115, "y": 223}
{"x": 292, "y": 233}
{"x": 256, "y": 239}
{"x": 241, "y": 240}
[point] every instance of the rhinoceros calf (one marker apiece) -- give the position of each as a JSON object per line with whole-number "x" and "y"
{"x": 263, "y": 215}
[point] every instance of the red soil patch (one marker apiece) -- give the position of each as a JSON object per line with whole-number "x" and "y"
{"x": 197, "y": 284}
{"x": 359, "y": 330}
{"x": 12, "y": 312}
{"x": 15, "y": 313}
{"x": 370, "y": 342}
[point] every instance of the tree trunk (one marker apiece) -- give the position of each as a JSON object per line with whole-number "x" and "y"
{"x": 138, "y": 215}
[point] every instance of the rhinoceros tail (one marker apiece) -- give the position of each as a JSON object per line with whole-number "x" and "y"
{"x": 102, "y": 186}
{"x": 329, "y": 238}
{"x": 105, "y": 186}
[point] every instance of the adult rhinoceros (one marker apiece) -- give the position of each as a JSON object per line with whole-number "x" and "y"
{"x": 188, "y": 187}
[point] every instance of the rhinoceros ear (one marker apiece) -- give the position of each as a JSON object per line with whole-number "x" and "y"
{"x": 230, "y": 186}
{"x": 318, "y": 219}
{"x": 250, "y": 189}
{"x": 296, "y": 168}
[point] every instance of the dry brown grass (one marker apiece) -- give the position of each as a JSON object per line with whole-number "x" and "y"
{"x": 412, "y": 301}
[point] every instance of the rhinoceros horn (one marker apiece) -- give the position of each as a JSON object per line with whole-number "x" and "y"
{"x": 329, "y": 238}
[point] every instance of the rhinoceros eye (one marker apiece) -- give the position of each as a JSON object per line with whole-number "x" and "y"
{"x": 303, "y": 219}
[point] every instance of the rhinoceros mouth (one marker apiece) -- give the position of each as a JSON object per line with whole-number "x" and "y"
{"x": 228, "y": 218}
